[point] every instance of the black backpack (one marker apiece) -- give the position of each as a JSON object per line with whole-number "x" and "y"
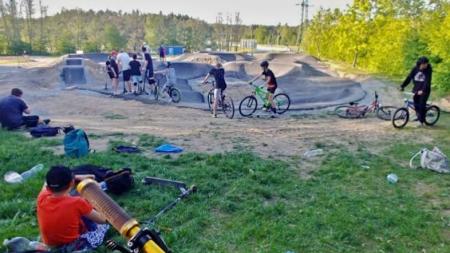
{"x": 44, "y": 131}
{"x": 117, "y": 182}
{"x": 120, "y": 182}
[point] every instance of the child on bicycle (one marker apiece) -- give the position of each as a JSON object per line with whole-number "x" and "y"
{"x": 136, "y": 75}
{"x": 220, "y": 85}
{"x": 271, "y": 83}
{"x": 171, "y": 79}
{"x": 420, "y": 75}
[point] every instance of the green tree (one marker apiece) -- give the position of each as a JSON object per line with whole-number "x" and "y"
{"x": 113, "y": 40}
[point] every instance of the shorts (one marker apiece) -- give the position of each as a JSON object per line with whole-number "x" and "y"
{"x": 272, "y": 89}
{"x": 126, "y": 75}
{"x": 111, "y": 75}
{"x": 136, "y": 80}
{"x": 217, "y": 92}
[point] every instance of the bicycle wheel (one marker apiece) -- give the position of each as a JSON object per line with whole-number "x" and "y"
{"x": 347, "y": 112}
{"x": 400, "y": 118}
{"x": 432, "y": 115}
{"x": 210, "y": 99}
{"x": 282, "y": 102}
{"x": 386, "y": 112}
{"x": 248, "y": 106}
{"x": 228, "y": 107}
{"x": 175, "y": 94}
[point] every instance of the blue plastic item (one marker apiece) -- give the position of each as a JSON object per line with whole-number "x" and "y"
{"x": 169, "y": 149}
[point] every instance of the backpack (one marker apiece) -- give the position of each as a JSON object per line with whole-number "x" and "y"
{"x": 120, "y": 182}
{"x": 116, "y": 182}
{"x": 433, "y": 160}
{"x": 126, "y": 150}
{"x": 44, "y": 131}
{"x": 76, "y": 144}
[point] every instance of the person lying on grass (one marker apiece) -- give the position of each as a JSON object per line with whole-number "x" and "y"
{"x": 12, "y": 110}
{"x": 66, "y": 222}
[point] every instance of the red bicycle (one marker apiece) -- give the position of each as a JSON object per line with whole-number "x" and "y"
{"x": 356, "y": 111}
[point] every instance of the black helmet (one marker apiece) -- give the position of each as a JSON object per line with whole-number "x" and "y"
{"x": 264, "y": 64}
{"x": 423, "y": 60}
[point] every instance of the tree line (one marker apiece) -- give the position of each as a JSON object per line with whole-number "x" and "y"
{"x": 385, "y": 36}
{"x": 26, "y": 26}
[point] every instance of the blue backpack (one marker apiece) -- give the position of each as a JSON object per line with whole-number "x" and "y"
{"x": 76, "y": 144}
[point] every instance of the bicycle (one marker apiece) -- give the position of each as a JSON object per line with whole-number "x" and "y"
{"x": 157, "y": 91}
{"x": 355, "y": 110}
{"x": 401, "y": 116}
{"x": 249, "y": 104}
{"x": 225, "y": 103}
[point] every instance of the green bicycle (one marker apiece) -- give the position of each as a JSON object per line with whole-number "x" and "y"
{"x": 249, "y": 104}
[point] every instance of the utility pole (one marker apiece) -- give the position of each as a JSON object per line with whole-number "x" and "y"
{"x": 303, "y": 19}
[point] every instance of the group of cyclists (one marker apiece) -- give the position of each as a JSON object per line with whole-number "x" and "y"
{"x": 135, "y": 75}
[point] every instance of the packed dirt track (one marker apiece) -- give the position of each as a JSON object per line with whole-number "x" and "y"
{"x": 288, "y": 135}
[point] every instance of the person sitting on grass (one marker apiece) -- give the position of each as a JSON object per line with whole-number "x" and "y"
{"x": 68, "y": 223}
{"x": 136, "y": 74}
{"x": 220, "y": 85}
{"x": 271, "y": 83}
{"x": 12, "y": 110}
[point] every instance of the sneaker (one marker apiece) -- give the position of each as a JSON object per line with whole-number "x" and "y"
{"x": 214, "y": 115}
{"x": 416, "y": 119}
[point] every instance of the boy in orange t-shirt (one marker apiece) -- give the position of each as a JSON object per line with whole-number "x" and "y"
{"x": 65, "y": 221}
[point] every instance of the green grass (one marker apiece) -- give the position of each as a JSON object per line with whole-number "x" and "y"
{"x": 249, "y": 204}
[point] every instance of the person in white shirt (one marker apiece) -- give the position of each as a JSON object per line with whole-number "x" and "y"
{"x": 123, "y": 59}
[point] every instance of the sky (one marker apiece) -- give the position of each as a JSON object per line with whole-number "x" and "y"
{"x": 263, "y": 12}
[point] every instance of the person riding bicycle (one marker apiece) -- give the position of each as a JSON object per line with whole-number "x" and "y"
{"x": 271, "y": 83}
{"x": 220, "y": 85}
{"x": 421, "y": 76}
{"x": 171, "y": 79}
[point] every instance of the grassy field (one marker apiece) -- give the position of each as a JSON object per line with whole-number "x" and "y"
{"x": 249, "y": 204}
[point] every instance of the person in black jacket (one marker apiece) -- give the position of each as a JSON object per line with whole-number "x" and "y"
{"x": 421, "y": 76}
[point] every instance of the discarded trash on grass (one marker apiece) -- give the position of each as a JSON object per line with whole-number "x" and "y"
{"x": 392, "y": 178}
{"x": 13, "y": 177}
{"x": 313, "y": 153}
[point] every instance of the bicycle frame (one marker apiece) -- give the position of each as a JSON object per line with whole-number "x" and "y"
{"x": 355, "y": 108}
{"x": 261, "y": 92}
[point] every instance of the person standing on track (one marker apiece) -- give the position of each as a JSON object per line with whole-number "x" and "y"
{"x": 421, "y": 76}
{"x": 271, "y": 83}
{"x": 162, "y": 54}
{"x": 136, "y": 74}
{"x": 123, "y": 59}
{"x": 113, "y": 71}
{"x": 148, "y": 66}
{"x": 220, "y": 85}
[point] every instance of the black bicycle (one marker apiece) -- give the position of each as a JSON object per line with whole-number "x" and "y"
{"x": 157, "y": 91}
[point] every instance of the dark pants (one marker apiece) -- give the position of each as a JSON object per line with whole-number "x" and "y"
{"x": 30, "y": 121}
{"x": 420, "y": 104}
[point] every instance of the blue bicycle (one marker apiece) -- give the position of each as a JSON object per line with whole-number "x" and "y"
{"x": 401, "y": 116}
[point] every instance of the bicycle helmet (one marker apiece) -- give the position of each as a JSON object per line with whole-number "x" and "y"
{"x": 264, "y": 64}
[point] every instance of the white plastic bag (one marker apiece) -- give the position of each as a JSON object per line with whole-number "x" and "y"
{"x": 433, "y": 160}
